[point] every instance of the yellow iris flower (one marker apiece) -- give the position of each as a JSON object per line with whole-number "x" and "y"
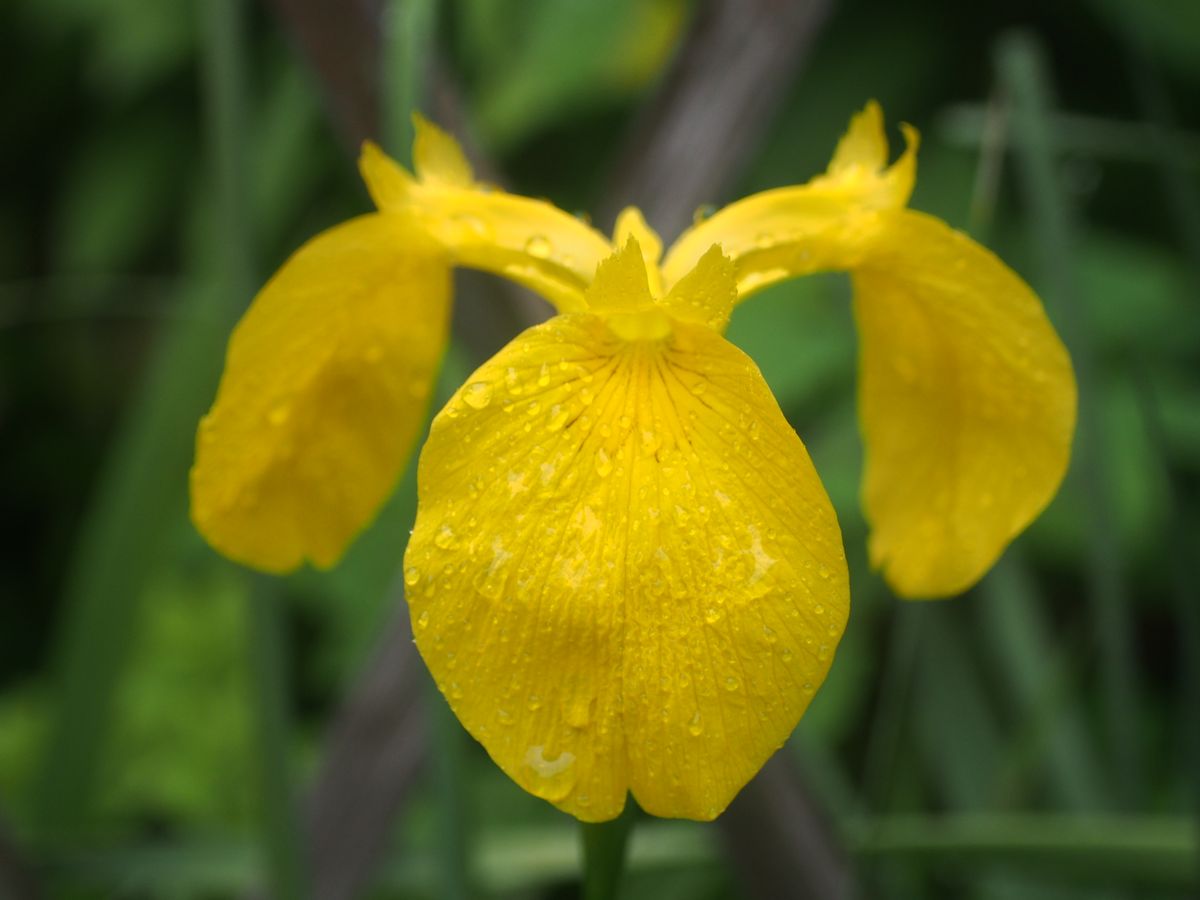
{"x": 625, "y": 574}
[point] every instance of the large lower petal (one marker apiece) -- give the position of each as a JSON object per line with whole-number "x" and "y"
{"x": 967, "y": 404}
{"x": 625, "y": 574}
{"x": 326, "y": 383}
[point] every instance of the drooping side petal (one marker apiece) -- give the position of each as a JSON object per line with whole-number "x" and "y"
{"x": 966, "y": 400}
{"x": 792, "y": 231}
{"x": 326, "y": 383}
{"x": 528, "y": 241}
{"x": 625, "y": 574}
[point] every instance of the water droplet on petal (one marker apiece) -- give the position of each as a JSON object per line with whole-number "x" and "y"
{"x": 445, "y": 538}
{"x": 695, "y": 725}
{"x": 423, "y": 619}
{"x": 731, "y": 683}
{"x": 604, "y": 465}
{"x": 558, "y": 417}
{"x": 412, "y": 575}
{"x": 538, "y": 247}
{"x": 703, "y": 212}
{"x": 477, "y": 395}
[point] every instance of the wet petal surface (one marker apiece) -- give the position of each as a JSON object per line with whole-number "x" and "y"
{"x": 625, "y": 574}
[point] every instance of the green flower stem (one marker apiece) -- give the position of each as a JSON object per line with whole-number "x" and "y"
{"x": 604, "y": 845}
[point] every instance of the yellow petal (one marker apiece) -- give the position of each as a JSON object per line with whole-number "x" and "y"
{"x": 707, "y": 293}
{"x": 325, "y": 386}
{"x": 625, "y": 574}
{"x": 531, "y": 242}
{"x": 967, "y": 404}
{"x": 631, "y": 224}
{"x": 438, "y": 158}
{"x": 864, "y": 145}
{"x": 792, "y": 231}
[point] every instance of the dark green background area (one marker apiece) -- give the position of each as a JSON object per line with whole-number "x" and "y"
{"x": 1036, "y": 738}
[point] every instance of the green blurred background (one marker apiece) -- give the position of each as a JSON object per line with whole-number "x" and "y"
{"x": 165, "y": 716}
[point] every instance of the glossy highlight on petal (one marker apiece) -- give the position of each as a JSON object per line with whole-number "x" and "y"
{"x": 326, "y": 384}
{"x": 625, "y": 574}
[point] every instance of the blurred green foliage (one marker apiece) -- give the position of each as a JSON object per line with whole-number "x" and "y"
{"x": 110, "y": 263}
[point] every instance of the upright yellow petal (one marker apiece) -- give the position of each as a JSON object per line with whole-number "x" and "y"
{"x": 967, "y": 404}
{"x": 708, "y": 293}
{"x": 531, "y": 242}
{"x": 792, "y": 231}
{"x": 625, "y": 574}
{"x": 864, "y": 146}
{"x": 326, "y": 383}
{"x": 631, "y": 224}
{"x": 438, "y": 158}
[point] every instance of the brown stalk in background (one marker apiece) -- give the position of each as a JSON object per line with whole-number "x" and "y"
{"x": 691, "y": 140}
{"x": 16, "y": 880}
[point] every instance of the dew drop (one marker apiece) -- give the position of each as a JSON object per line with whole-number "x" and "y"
{"x": 695, "y": 725}
{"x": 504, "y": 717}
{"x": 823, "y": 652}
{"x": 423, "y": 619}
{"x": 538, "y": 247}
{"x": 604, "y": 465}
{"x": 534, "y": 703}
{"x": 477, "y": 395}
{"x": 473, "y": 225}
{"x": 731, "y": 683}
{"x": 712, "y": 615}
{"x": 702, "y": 213}
{"x": 556, "y": 772}
{"x": 769, "y": 634}
{"x": 412, "y": 575}
{"x": 558, "y": 417}
{"x": 445, "y": 538}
